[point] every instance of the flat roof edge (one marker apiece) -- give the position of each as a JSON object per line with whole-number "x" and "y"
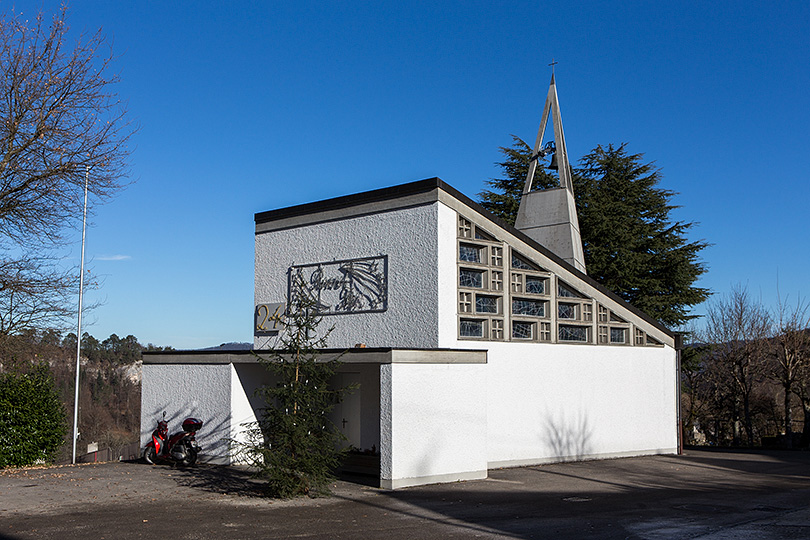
{"x": 369, "y": 355}
{"x": 421, "y": 187}
{"x": 348, "y": 201}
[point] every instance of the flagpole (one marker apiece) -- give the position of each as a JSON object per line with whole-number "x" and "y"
{"x": 79, "y": 330}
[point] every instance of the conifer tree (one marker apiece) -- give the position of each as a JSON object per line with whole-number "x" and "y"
{"x": 631, "y": 244}
{"x": 294, "y": 446}
{"x": 504, "y": 202}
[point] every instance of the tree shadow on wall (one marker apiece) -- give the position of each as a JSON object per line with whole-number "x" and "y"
{"x": 570, "y": 439}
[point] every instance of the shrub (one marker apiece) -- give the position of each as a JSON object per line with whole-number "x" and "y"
{"x": 32, "y": 419}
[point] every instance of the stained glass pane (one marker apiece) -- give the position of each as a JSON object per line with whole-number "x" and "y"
{"x": 535, "y": 285}
{"x": 470, "y": 328}
{"x": 486, "y": 304}
{"x": 529, "y": 307}
{"x": 469, "y": 253}
{"x": 573, "y": 333}
{"x": 567, "y": 311}
{"x": 521, "y": 263}
{"x": 521, "y": 330}
{"x": 565, "y": 292}
{"x": 471, "y": 278}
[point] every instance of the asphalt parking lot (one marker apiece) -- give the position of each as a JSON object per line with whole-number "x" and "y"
{"x": 702, "y": 494}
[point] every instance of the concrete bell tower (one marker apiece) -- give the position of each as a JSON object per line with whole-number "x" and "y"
{"x": 550, "y": 216}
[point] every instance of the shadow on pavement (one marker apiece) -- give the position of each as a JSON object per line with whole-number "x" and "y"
{"x": 616, "y": 498}
{"x": 220, "y": 479}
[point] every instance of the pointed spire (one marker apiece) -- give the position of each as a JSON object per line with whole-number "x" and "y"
{"x": 550, "y": 216}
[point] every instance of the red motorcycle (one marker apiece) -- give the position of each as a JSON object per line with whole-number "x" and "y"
{"x": 180, "y": 448}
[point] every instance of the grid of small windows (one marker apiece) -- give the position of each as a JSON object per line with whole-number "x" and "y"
{"x": 528, "y": 285}
{"x": 532, "y": 311}
{"x": 480, "y": 281}
{"x": 612, "y": 329}
{"x": 573, "y": 307}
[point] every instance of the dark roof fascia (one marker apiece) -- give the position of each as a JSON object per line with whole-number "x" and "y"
{"x": 191, "y": 352}
{"x": 430, "y": 184}
{"x": 347, "y": 201}
{"x": 350, "y": 355}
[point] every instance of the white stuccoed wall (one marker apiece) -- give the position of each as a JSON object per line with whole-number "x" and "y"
{"x": 245, "y": 379}
{"x": 531, "y": 403}
{"x": 409, "y": 239}
{"x": 550, "y": 402}
{"x": 182, "y": 390}
{"x": 433, "y": 426}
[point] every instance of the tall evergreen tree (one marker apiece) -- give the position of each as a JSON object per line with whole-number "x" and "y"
{"x": 631, "y": 244}
{"x": 505, "y": 200}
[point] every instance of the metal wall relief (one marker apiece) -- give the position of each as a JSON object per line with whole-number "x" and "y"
{"x": 342, "y": 287}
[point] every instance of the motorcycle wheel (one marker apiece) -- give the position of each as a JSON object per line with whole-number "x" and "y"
{"x": 191, "y": 457}
{"x": 149, "y": 455}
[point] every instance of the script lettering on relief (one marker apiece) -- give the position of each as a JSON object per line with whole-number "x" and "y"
{"x": 342, "y": 287}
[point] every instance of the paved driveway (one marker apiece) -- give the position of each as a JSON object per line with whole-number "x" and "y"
{"x": 703, "y": 494}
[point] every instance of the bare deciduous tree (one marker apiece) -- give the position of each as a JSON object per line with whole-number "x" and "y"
{"x": 792, "y": 353}
{"x": 738, "y": 329}
{"x": 60, "y": 123}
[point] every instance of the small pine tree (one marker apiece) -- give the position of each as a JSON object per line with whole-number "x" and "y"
{"x": 32, "y": 419}
{"x": 294, "y": 446}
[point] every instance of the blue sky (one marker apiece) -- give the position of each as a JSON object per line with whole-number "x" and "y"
{"x": 250, "y": 106}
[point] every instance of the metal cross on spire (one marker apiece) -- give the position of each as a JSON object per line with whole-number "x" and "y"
{"x": 552, "y": 64}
